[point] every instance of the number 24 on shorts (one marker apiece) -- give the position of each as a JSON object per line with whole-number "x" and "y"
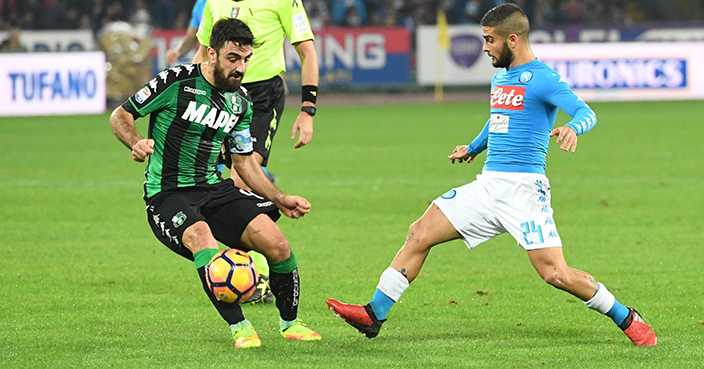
{"x": 531, "y": 228}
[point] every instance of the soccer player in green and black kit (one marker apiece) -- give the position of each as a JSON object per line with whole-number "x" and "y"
{"x": 193, "y": 110}
{"x": 271, "y": 21}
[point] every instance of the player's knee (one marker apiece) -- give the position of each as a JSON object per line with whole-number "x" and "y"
{"x": 198, "y": 237}
{"x": 416, "y": 236}
{"x": 277, "y": 249}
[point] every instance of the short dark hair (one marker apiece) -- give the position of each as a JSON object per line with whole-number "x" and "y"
{"x": 507, "y": 18}
{"x": 231, "y": 29}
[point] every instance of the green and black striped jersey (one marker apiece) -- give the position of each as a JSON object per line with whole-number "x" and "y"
{"x": 189, "y": 120}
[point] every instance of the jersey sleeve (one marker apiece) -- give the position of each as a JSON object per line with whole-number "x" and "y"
{"x": 295, "y": 21}
{"x": 197, "y": 13}
{"x": 479, "y": 144}
{"x": 559, "y": 94}
{"x": 157, "y": 94}
{"x": 206, "y": 26}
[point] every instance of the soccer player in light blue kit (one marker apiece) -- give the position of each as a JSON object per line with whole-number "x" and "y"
{"x": 512, "y": 194}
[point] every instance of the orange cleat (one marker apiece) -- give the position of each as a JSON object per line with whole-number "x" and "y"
{"x": 358, "y": 316}
{"x": 635, "y": 328}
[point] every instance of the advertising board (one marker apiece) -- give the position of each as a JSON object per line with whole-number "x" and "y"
{"x": 608, "y": 71}
{"x": 55, "y": 41}
{"x": 356, "y": 56}
{"x": 628, "y": 71}
{"x": 52, "y": 83}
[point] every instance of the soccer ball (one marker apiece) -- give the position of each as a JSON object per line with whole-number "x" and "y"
{"x": 232, "y": 275}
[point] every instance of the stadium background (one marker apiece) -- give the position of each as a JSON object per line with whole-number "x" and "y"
{"x": 367, "y": 46}
{"x": 85, "y": 284}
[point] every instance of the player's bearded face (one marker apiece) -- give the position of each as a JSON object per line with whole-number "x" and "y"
{"x": 228, "y": 82}
{"x": 505, "y": 58}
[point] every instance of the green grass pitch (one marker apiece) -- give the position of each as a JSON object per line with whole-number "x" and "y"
{"x": 86, "y": 284}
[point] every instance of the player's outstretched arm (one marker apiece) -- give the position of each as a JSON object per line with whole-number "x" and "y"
{"x": 187, "y": 43}
{"x": 251, "y": 173}
{"x": 460, "y": 154}
{"x": 123, "y": 127}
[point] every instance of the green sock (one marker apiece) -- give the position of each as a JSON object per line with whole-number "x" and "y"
{"x": 284, "y": 266}
{"x": 260, "y": 262}
{"x": 203, "y": 257}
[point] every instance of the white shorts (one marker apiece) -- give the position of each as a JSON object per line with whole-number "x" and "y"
{"x": 498, "y": 202}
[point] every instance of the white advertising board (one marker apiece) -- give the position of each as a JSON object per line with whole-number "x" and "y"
{"x": 52, "y": 83}
{"x": 628, "y": 70}
{"x": 55, "y": 41}
{"x": 463, "y": 64}
{"x": 614, "y": 71}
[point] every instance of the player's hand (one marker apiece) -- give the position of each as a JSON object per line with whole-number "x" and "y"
{"x": 567, "y": 136}
{"x": 304, "y": 123}
{"x": 460, "y": 154}
{"x": 142, "y": 149}
{"x": 171, "y": 56}
{"x": 293, "y": 206}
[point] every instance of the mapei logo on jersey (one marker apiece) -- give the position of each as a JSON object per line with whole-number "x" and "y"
{"x": 210, "y": 117}
{"x": 142, "y": 95}
{"x": 508, "y": 97}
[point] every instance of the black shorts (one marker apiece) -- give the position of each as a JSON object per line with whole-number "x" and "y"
{"x": 268, "y": 98}
{"x": 226, "y": 208}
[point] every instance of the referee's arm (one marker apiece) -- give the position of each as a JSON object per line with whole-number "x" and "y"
{"x": 309, "y": 65}
{"x": 309, "y": 78}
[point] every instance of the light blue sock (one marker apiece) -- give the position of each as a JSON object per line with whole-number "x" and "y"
{"x": 618, "y": 313}
{"x": 266, "y": 171}
{"x": 235, "y": 327}
{"x": 381, "y": 304}
{"x": 286, "y": 324}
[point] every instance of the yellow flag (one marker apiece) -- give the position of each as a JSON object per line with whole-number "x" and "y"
{"x": 443, "y": 35}
{"x": 444, "y": 44}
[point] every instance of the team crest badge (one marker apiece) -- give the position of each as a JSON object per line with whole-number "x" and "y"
{"x": 525, "y": 76}
{"x": 236, "y": 104}
{"x": 235, "y": 12}
{"x": 449, "y": 194}
{"x": 178, "y": 219}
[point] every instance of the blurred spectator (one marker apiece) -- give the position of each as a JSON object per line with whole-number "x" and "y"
{"x": 164, "y": 13}
{"x": 471, "y": 12}
{"x": 318, "y": 14}
{"x": 352, "y": 18}
{"x": 12, "y": 44}
{"x": 349, "y": 12}
{"x": 140, "y": 13}
{"x": 174, "y": 14}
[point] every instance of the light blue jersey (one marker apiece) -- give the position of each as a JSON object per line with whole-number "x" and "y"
{"x": 197, "y": 13}
{"x": 524, "y": 104}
